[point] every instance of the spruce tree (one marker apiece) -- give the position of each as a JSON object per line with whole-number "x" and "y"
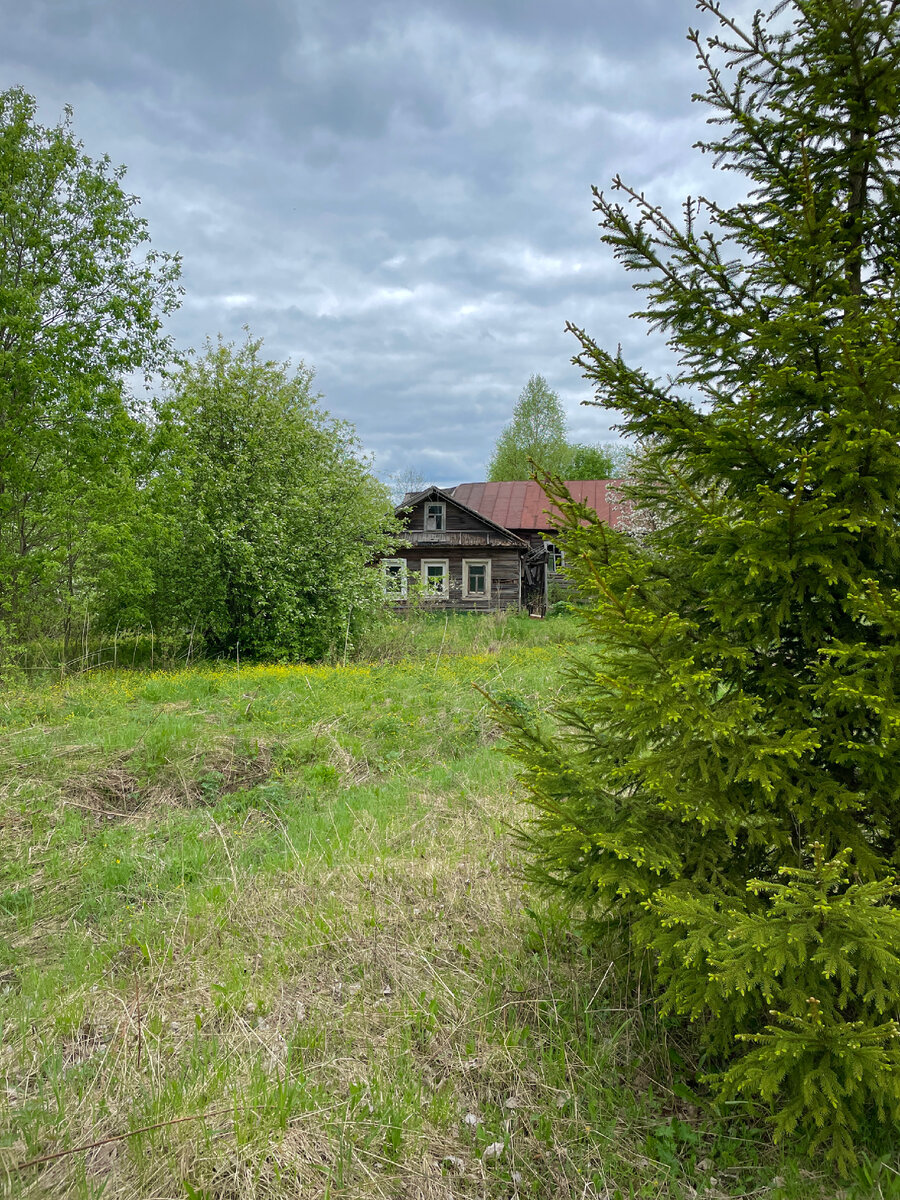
{"x": 726, "y": 770}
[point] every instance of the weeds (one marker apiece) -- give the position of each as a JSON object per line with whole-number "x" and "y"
{"x": 262, "y": 935}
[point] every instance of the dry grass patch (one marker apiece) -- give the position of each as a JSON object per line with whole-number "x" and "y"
{"x": 226, "y": 769}
{"x": 356, "y": 1016}
{"x": 201, "y": 778}
{"x": 112, "y": 792}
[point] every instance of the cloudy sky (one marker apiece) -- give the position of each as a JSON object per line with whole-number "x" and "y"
{"x": 397, "y": 193}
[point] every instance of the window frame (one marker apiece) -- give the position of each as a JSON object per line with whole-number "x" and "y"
{"x": 476, "y": 562}
{"x": 403, "y": 577}
{"x": 429, "y": 593}
{"x": 442, "y": 528}
{"x": 556, "y": 557}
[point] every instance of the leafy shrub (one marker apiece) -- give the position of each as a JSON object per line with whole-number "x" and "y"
{"x": 273, "y": 518}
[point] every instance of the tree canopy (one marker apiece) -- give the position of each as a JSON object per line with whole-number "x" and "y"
{"x": 82, "y": 302}
{"x": 233, "y": 506}
{"x": 407, "y": 479}
{"x": 273, "y": 513}
{"x": 725, "y": 771}
{"x": 537, "y": 438}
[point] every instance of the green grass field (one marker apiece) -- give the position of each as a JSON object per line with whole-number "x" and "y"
{"x": 272, "y": 918}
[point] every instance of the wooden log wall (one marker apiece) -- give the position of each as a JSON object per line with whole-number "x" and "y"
{"x": 504, "y": 578}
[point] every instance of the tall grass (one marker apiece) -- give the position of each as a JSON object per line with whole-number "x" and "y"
{"x": 388, "y": 635}
{"x": 262, "y": 934}
{"x": 420, "y": 632}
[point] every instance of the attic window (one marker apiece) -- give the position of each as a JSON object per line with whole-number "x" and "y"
{"x": 435, "y": 516}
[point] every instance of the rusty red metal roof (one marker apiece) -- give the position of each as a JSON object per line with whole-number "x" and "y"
{"x": 522, "y": 505}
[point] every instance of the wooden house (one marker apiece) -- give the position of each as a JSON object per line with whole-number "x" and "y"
{"x": 456, "y": 558}
{"x": 523, "y": 508}
{"x": 484, "y": 546}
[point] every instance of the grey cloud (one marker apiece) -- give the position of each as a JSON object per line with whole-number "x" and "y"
{"x": 399, "y": 193}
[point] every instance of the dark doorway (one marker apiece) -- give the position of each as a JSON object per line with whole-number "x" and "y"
{"x": 534, "y": 582}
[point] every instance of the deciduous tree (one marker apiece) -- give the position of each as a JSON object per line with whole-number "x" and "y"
{"x": 82, "y": 301}
{"x": 537, "y": 439}
{"x": 536, "y": 434}
{"x": 276, "y": 516}
{"x": 409, "y": 479}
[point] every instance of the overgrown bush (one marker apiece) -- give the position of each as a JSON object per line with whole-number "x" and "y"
{"x": 726, "y": 768}
{"x": 272, "y": 518}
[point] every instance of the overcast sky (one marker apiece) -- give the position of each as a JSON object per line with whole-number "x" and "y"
{"x": 397, "y": 193}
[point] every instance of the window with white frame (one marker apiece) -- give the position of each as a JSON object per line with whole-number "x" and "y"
{"x": 435, "y": 517}
{"x": 436, "y": 577}
{"x": 394, "y": 581}
{"x": 476, "y": 578}
{"x": 555, "y": 558}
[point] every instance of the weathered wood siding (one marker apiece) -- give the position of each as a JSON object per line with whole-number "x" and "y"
{"x": 504, "y": 592}
{"x": 465, "y": 535}
{"x": 538, "y": 540}
{"x": 456, "y": 518}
